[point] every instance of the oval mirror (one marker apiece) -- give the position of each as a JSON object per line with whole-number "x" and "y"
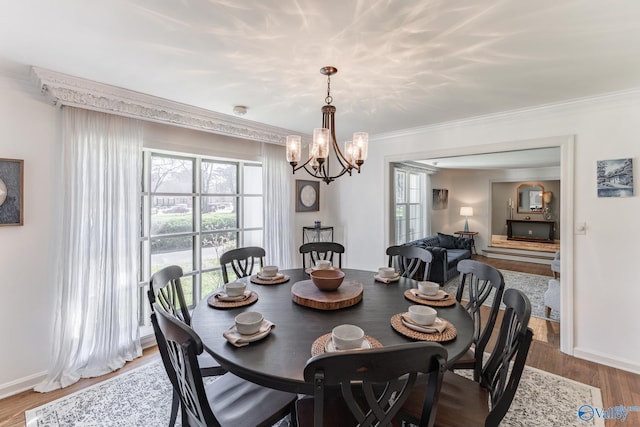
{"x": 530, "y": 198}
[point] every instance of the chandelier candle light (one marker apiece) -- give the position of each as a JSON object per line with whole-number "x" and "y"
{"x": 324, "y": 139}
{"x": 466, "y": 211}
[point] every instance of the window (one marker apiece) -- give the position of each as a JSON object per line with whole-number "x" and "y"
{"x": 409, "y": 213}
{"x": 194, "y": 209}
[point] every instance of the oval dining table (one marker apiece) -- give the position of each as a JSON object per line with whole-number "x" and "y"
{"x": 278, "y": 360}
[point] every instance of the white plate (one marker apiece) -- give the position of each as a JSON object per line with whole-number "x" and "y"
{"x": 254, "y": 337}
{"x": 276, "y": 277}
{"x": 310, "y": 269}
{"x": 329, "y": 347}
{"x": 387, "y": 279}
{"x": 221, "y": 296}
{"x": 424, "y": 329}
{"x": 439, "y": 296}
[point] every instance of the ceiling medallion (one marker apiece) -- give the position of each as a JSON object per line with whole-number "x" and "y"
{"x": 324, "y": 144}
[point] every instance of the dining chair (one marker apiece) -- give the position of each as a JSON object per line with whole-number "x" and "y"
{"x": 368, "y": 387}
{"x": 410, "y": 261}
{"x": 242, "y": 261}
{"x": 321, "y": 250}
{"x": 478, "y": 281}
{"x": 228, "y": 401}
{"x": 165, "y": 288}
{"x": 464, "y": 402}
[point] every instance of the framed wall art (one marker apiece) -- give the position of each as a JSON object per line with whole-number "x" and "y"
{"x": 307, "y": 196}
{"x": 615, "y": 178}
{"x": 440, "y": 199}
{"x": 11, "y": 192}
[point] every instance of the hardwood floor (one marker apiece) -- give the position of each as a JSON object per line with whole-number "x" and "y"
{"x": 618, "y": 387}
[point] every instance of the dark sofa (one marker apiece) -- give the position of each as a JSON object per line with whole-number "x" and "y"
{"x": 447, "y": 251}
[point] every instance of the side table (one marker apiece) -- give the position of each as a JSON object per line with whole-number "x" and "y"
{"x": 471, "y": 235}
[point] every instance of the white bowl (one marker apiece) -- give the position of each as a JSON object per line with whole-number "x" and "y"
{"x": 422, "y": 314}
{"x": 386, "y": 272}
{"x": 323, "y": 264}
{"x": 347, "y": 337}
{"x": 234, "y": 289}
{"x": 269, "y": 270}
{"x": 248, "y": 322}
{"x": 428, "y": 288}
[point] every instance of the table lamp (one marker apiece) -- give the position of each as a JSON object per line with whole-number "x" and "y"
{"x": 466, "y": 211}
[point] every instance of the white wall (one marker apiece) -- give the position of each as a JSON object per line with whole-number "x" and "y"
{"x": 605, "y": 267}
{"x": 29, "y": 130}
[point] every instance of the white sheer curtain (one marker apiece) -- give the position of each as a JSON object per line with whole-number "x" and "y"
{"x": 279, "y": 226}
{"x": 95, "y": 329}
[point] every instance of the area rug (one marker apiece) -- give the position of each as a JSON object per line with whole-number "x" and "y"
{"x": 142, "y": 397}
{"x": 533, "y": 285}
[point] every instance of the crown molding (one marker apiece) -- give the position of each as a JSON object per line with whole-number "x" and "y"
{"x": 63, "y": 89}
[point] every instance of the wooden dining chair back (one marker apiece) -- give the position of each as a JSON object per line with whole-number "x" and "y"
{"x": 229, "y": 400}
{"x": 165, "y": 289}
{"x": 242, "y": 261}
{"x": 478, "y": 282}
{"x": 373, "y": 384}
{"x": 464, "y": 402}
{"x": 410, "y": 261}
{"x": 315, "y": 251}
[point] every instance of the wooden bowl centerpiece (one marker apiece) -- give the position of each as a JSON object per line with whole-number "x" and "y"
{"x": 327, "y": 279}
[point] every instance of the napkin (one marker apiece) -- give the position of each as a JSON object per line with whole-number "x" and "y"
{"x": 234, "y": 337}
{"x": 386, "y": 279}
{"x": 276, "y": 277}
{"x": 438, "y": 326}
{"x": 222, "y": 296}
{"x": 438, "y": 297}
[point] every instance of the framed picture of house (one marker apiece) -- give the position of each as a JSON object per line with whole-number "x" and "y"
{"x": 307, "y": 196}
{"x": 440, "y": 199}
{"x": 11, "y": 192}
{"x": 615, "y": 178}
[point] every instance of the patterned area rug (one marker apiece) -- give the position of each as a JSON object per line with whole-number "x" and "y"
{"x": 142, "y": 397}
{"x": 533, "y": 285}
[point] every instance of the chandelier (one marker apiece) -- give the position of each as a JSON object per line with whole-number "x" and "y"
{"x": 324, "y": 141}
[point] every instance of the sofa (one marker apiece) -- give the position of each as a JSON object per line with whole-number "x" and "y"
{"x": 447, "y": 251}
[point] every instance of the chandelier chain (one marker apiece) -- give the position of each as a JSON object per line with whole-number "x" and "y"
{"x": 329, "y": 98}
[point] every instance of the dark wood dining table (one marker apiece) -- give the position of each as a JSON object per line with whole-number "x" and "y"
{"x": 278, "y": 360}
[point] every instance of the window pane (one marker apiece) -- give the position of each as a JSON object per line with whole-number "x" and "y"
{"x": 211, "y": 281}
{"x": 252, "y": 212}
{"x": 219, "y": 213}
{"x": 253, "y": 238}
{"x": 214, "y": 245}
{"x": 171, "y": 215}
{"x": 252, "y": 179}
{"x": 167, "y": 251}
{"x": 401, "y": 224}
{"x": 414, "y": 188}
{"x": 219, "y": 178}
{"x": 187, "y": 289}
{"x": 171, "y": 175}
{"x": 400, "y": 186}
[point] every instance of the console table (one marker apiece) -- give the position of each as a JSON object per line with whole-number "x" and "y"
{"x": 529, "y": 230}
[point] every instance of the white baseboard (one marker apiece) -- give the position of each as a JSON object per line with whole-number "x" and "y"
{"x": 21, "y": 384}
{"x": 27, "y": 383}
{"x": 603, "y": 359}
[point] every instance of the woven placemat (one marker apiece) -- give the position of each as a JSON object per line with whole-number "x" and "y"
{"x": 448, "y": 334}
{"x": 259, "y": 281}
{"x": 216, "y": 303}
{"x": 319, "y": 345}
{"x": 450, "y": 300}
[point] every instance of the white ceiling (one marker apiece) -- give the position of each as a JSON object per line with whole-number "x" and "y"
{"x": 534, "y": 158}
{"x": 402, "y": 63}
